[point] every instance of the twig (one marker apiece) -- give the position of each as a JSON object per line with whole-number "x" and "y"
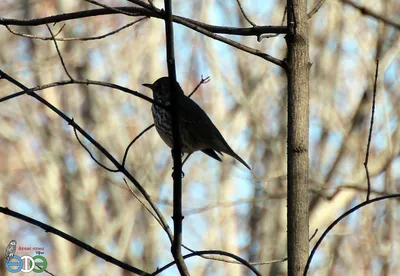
{"x": 316, "y": 8}
{"x": 333, "y": 224}
{"x": 211, "y": 252}
{"x": 373, "y": 14}
{"x": 73, "y": 240}
{"x": 206, "y": 29}
{"x": 75, "y": 38}
{"x": 252, "y": 263}
{"x": 370, "y": 130}
{"x": 220, "y": 259}
{"x": 133, "y": 141}
{"x": 144, "y": 205}
{"x": 96, "y": 144}
{"x": 59, "y": 53}
{"x": 244, "y": 14}
{"x": 86, "y": 82}
{"x": 202, "y": 81}
{"x": 91, "y": 155}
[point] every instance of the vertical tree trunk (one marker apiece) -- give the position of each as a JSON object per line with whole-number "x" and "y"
{"x": 298, "y": 115}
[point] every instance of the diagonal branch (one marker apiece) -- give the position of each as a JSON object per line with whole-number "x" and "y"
{"x": 245, "y": 15}
{"x": 73, "y": 240}
{"x": 333, "y": 224}
{"x": 59, "y": 53}
{"x": 373, "y": 14}
{"x": 96, "y": 144}
{"x": 206, "y": 29}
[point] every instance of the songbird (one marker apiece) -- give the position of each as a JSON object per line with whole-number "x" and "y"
{"x": 197, "y": 131}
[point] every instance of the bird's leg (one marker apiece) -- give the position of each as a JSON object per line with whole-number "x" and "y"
{"x": 182, "y": 173}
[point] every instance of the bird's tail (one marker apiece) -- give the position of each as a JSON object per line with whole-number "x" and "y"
{"x": 237, "y": 157}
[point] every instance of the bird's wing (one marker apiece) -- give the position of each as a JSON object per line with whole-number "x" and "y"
{"x": 196, "y": 120}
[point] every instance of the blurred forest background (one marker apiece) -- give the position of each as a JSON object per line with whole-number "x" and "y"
{"x": 47, "y": 175}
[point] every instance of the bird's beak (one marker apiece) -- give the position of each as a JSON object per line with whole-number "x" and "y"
{"x": 148, "y": 85}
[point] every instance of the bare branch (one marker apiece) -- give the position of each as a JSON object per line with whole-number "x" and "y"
{"x": 206, "y": 29}
{"x": 91, "y": 155}
{"x": 211, "y": 252}
{"x": 95, "y": 143}
{"x": 370, "y": 130}
{"x": 252, "y": 31}
{"x": 244, "y": 14}
{"x": 73, "y": 240}
{"x": 373, "y": 14}
{"x": 141, "y": 202}
{"x": 316, "y": 8}
{"x": 333, "y": 224}
{"x": 133, "y": 141}
{"x": 75, "y": 38}
{"x": 59, "y": 53}
{"x": 86, "y": 82}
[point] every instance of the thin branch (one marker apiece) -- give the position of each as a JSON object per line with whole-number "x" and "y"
{"x": 96, "y": 144}
{"x": 202, "y": 81}
{"x": 232, "y": 43}
{"x": 86, "y": 82}
{"x": 59, "y": 53}
{"x": 202, "y": 28}
{"x": 91, "y": 155}
{"x": 316, "y": 8}
{"x": 333, "y": 224}
{"x": 211, "y": 252}
{"x": 245, "y": 15}
{"x": 206, "y": 29}
{"x": 370, "y": 130}
{"x": 133, "y": 141}
{"x": 373, "y": 14}
{"x": 33, "y": 36}
{"x": 225, "y": 260}
{"x": 313, "y": 235}
{"x": 141, "y": 202}
{"x": 75, "y": 38}
{"x": 252, "y": 263}
{"x": 73, "y": 240}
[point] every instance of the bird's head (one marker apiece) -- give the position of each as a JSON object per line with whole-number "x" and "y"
{"x": 161, "y": 90}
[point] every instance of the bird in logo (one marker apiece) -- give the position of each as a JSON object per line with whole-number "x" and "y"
{"x": 197, "y": 130}
{"x": 10, "y": 250}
